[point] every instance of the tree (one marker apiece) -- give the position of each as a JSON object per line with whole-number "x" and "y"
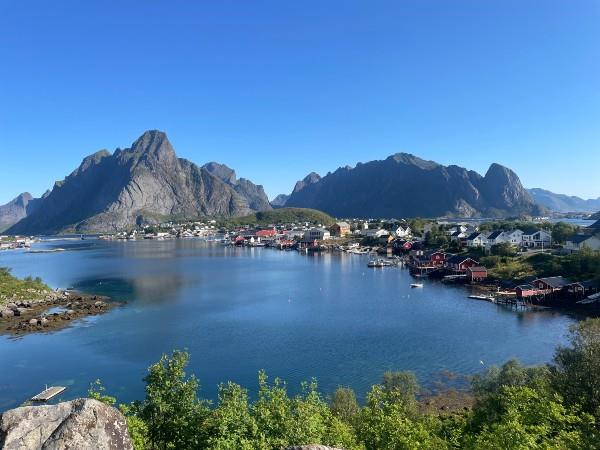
{"x": 520, "y": 417}
{"x": 344, "y": 405}
{"x": 171, "y": 409}
{"x": 231, "y": 425}
{"x": 576, "y": 368}
{"x": 503, "y": 249}
{"x": 387, "y": 422}
{"x": 562, "y": 230}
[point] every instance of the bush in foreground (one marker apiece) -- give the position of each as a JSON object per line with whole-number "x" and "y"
{"x": 547, "y": 407}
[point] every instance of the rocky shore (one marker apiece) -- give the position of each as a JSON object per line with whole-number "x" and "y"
{"x": 55, "y": 311}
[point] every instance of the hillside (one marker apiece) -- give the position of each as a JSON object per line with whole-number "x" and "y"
{"x": 563, "y": 203}
{"x": 404, "y": 185}
{"x": 284, "y": 215}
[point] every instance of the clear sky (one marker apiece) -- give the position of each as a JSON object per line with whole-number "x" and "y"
{"x": 276, "y": 89}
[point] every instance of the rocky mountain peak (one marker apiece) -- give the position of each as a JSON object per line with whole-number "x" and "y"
{"x": 309, "y": 179}
{"x": 154, "y": 143}
{"x": 412, "y": 160}
{"x": 221, "y": 171}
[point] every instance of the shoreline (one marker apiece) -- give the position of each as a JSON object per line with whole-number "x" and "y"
{"x": 57, "y": 311}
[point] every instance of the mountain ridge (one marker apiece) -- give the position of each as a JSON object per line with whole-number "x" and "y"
{"x": 564, "y": 203}
{"x": 404, "y": 185}
{"x": 141, "y": 184}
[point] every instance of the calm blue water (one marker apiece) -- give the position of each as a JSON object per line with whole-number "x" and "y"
{"x": 238, "y": 310}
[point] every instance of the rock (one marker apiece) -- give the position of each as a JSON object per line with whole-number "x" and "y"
{"x": 311, "y": 447}
{"x": 79, "y": 424}
{"x": 19, "y": 311}
{"x": 12, "y": 306}
{"x": 44, "y": 321}
{"x": 98, "y": 304}
{"x": 33, "y": 322}
{"x": 7, "y": 313}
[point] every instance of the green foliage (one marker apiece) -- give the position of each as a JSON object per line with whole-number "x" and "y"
{"x": 138, "y": 430}
{"x": 387, "y": 422}
{"x": 280, "y": 216}
{"x": 97, "y": 392}
{"x": 562, "y": 230}
{"x": 344, "y": 404}
{"x": 171, "y": 409}
{"x": 520, "y": 417}
{"x": 548, "y": 407}
{"x": 503, "y": 249}
{"x": 576, "y": 369}
{"x": 25, "y": 289}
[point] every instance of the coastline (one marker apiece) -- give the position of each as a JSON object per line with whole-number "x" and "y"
{"x": 56, "y": 311}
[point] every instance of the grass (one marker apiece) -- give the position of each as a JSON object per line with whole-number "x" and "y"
{"x": 27, "y": 288}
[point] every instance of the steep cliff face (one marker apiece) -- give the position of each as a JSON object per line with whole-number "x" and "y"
{"x": 404, "y": 185}
{"x": 144, "y": 183}
{"x": 17, "y": 209}
{"x": 254, "y": 194}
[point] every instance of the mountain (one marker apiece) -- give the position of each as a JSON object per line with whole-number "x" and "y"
{"x": 564, "y": 203}
{"x": 18, "y": 208}
{"x": 595, "y": 216}
{"x": 279, "y": 201}
{"x": 142, "y": 184}
{"x": 254, "y": 194}
{"x": 404, "y": 185}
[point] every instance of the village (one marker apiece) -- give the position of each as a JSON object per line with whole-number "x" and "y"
{"x": 445, "y": 250}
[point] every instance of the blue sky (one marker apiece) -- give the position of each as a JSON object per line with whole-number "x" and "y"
{"x": 276, "y": 89}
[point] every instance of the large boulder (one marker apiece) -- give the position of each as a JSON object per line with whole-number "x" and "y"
{"x": 79, "y": 424}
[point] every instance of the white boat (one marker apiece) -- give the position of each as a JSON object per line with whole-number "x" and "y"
{"x": 416, "y": 285}
{"x": 487, "y": 298}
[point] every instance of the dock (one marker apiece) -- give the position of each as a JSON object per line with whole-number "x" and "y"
{"x": 48, "y": 393}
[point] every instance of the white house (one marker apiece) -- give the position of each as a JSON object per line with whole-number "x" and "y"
{"x": 476, "y": 240}
{"x": 537, "y": 239}
{"x": 374, "y": 233}
{"x": 495, "y": 238}
{"x": 579, "y": 241}
{"x": 316, "y": 234}
{"x": 514, "y": 237}
{"x": 402, "y": 232}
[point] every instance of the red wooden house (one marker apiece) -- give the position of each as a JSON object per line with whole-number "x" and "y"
{"x": 460, "y": 263}
{"x": 476, "y": 273}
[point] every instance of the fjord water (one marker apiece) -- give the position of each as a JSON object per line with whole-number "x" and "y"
{"x": 238, "y": 310}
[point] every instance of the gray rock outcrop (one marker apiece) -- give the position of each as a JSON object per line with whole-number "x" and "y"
{"x": 79, "y": 424}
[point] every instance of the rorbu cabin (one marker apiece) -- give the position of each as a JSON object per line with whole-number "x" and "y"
{"x": 459, "y": 263}
{"x": 476, "y": 273}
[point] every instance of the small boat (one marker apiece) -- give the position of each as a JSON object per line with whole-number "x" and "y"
{"x": 375, "y": 263}
{"x": 416, "y": 285}
{"x": 482, "y": 297}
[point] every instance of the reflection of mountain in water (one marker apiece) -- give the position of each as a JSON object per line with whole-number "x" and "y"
{"x": 142, "y": 289}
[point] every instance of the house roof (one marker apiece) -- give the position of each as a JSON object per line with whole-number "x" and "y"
{"x": 579, "y": 238}
{"x": 473, "y": 236}
{"x": 555, "y": 282}
{"x": 595, "y": 225}
{"x": 342, "y": 224}
{"x": 495, "y": 234}
{"x": 457, "y": 259}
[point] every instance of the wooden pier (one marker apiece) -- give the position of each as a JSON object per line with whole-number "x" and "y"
{"x": 48, "y": 393}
